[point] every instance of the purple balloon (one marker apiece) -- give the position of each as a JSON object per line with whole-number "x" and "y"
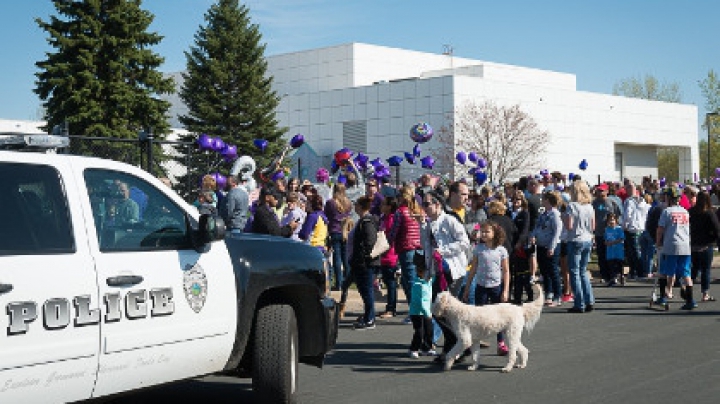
{"x": 583, "y": 165}
{"x": 297, "y": 141}
{"x": 461, "y": 157}
{"x": 394, "y": 161}
{"x": 377, "y": 162}
{"x": 717, "y": 171}
{"x": 261, "y": 144}
{"x": 279, "y": 174}
{"x": 662, "y": 181}
{"x": 481, "y": 162}
{"x": 218, "y": 144}
{"x": 410, "y": 158}
{"x": 220, "y": 180}
{"x": 421, "y": 132}
{"x": 472, "y": 156}
{"x": 472, "y": 171}
{"x": 341, "y": 179}
{"x": 571, "y": 176}
{"x": 416, "y": 150}
{"x": 361, "y": 161}
{"x": 322, "y": 174}
{"x": 229, "y": 152}
{"x": 427, "y": 162}
{"x": 480, "y": 177}
{"x": 205, "y": 142}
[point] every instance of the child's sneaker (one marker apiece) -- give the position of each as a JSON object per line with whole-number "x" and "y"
{"x": 502, "y": 349}
{"x": 414, "y": 354}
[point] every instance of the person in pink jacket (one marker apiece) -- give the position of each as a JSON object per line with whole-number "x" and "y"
{"x": 389, "y": 260}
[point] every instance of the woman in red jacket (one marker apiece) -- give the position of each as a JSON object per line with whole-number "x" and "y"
{"x": 405, "y": 237}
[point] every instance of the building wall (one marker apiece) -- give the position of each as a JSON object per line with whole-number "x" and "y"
{"x": 392, "y": 89}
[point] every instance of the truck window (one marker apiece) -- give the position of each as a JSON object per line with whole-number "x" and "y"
{"x": 131, "y": 214}
{"x": 34, "y": 216}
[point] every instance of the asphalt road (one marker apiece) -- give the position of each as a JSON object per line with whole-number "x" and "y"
{"x": 623, "y": 352}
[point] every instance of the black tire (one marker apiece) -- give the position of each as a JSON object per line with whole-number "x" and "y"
{"x": 275, "y": 359}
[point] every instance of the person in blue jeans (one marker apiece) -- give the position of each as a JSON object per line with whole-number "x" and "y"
{"x": 337, "y": 210}
{"x": 362, "y": 239}
{"x": 579, "y": 221}
{"x": 546, "y": 236}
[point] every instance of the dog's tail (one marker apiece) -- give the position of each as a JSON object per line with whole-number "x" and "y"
{"x": 532, "y": 310}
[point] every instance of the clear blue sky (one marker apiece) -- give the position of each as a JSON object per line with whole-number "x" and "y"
{"x": 601, "y": 42}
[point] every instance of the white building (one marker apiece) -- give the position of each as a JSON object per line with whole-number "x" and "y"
{"x": 367, "y": 97}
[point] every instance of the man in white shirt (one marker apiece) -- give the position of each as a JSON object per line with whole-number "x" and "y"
{"x": 635, "y": 211}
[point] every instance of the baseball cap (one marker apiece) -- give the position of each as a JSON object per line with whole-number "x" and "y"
{"x": 603, "y": 187}
{"x": 672, "y": 192}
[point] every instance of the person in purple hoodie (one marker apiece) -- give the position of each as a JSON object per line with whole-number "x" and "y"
{"x": 372, "y": 191}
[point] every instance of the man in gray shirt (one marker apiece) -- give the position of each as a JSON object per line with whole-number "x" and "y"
{"x": 673, "y": 236}
{"x": 237, "y": 203}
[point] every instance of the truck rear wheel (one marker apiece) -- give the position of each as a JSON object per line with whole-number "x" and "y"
{"x": 275, "y": 359}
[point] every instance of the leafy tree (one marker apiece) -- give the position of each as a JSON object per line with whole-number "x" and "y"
{"x": 710, "y": 88}
{"x": 102, "y": 78}
{"x": 226, "y": 89}
{"x": 648, "y": 88}
{"x": 506, "y": 137}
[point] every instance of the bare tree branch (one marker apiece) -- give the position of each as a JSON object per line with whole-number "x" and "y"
{"x": 506, "y": 137}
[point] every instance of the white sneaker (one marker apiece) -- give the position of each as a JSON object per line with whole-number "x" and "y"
{"x": 414, "y": 354}
{"x": 431, "y": 352}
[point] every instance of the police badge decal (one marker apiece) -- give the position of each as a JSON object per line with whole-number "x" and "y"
{"x": 195, "y": 285}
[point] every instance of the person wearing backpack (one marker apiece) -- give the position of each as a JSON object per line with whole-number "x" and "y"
{"x": 362, "y": 239}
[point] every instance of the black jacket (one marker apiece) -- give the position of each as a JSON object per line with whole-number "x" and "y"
{"x": 265, "y": 221}
{"x": 704, "y": 227}
{"x": 364, "y": 239}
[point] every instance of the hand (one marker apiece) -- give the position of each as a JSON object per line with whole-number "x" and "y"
{"x": 550, "y": 253}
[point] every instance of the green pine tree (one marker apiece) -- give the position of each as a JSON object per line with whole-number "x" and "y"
{"x": 102, "y": 78}
{"x": 227, "y": 91}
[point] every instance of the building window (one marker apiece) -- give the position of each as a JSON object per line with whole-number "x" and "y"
{"x": 619, "y": 165}
{"x": 355, "y": 136}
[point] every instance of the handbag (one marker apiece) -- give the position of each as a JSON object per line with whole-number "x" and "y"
{"x": 381, "y": 245}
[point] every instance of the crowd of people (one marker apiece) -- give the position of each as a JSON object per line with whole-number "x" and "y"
{"x": 484, "y": 244}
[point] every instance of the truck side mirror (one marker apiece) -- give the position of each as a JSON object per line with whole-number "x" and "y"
{"x": 211, "y": 228}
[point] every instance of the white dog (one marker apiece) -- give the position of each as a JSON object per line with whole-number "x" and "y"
{"x": 471, "y": 324}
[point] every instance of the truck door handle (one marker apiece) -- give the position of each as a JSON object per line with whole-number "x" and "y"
{"x": 124, "y": 280}
{"x": 5, "y": 287}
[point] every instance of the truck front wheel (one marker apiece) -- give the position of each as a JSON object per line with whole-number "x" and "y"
{"x": 275, "y": 360}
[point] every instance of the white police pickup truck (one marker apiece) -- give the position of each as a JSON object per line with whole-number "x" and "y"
{"x": 110, "y": 282}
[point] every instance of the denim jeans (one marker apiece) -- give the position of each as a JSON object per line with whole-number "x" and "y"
{"x": 491, "y": 295}
{"x": 647, "y": 253}
{"x": 578, "y": 256}
{"x": 702, "y": 262}
{"x": 364, "y": 278}
{"x": 550, "y": 270}
{"x": 339, "y": 260}
{"x": 633, "y": 252}
{"x": 408, "y": 272}
{"x": 388, "y": 277}
{"x": 601, "y": 250}
{"x": 473, "y": 288}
